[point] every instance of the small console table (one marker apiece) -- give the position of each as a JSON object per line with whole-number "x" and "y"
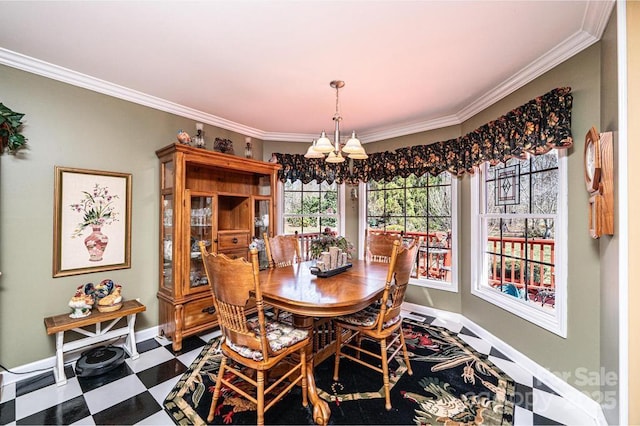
{"x": 60, "y": 323}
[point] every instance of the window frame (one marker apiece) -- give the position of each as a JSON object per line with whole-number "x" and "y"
{"x": 556, "y": 322}
{"x": 339, "y": 214}
{"x": 453, "y": 285}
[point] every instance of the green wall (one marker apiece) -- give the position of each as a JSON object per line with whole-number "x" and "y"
{"x": 73, "y": 127}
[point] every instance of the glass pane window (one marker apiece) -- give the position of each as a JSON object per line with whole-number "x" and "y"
{"x": 423, "y": 208}
{"x": 310, "y": 208}
{"x": 518, "y": 220}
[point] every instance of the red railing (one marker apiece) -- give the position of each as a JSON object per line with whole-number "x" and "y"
{"x": 506, "y": 264}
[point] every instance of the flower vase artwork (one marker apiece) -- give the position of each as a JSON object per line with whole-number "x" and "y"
{"x": 97, "y": 210}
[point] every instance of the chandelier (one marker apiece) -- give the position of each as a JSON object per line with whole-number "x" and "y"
{"x": 353, "y": 148}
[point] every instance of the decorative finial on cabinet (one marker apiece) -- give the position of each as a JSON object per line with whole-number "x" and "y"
{"x": 248, "y": 149}
{"x": 198, "y": 139}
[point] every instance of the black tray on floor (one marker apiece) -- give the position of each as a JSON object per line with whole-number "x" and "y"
{"x": 331, "y": 272}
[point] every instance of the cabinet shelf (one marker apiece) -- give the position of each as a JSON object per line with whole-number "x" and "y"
{"x": 211, "y": 197}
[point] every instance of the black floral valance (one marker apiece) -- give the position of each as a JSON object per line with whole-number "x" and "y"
{"x": 536, "y": 127}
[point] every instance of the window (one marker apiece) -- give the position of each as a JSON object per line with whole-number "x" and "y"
{"x": 424, "y": 208}
{"x": 311, "y": 208}
{"x": 519, "y": 238}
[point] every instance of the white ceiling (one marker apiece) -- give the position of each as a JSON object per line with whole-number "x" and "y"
{"x": 263, "y": 68}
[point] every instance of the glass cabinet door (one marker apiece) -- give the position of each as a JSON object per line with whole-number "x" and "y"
{"x": 201, "y": 230}
{"x": 262, "y": 216}
{"x": 261, "y": 225}
{"x": 167, "y": 241}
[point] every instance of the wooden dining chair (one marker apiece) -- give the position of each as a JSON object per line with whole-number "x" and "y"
{"x": 282, "y": 250}
{"x": 254, "y": 343}
{"x": 380, "y": 322}
{"x": 379, "y": 245}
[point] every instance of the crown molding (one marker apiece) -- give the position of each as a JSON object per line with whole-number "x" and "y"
{"x": 560, "y": 53}
{"x": 596, "y": 16}
{"x": 594, "y": 23}
{"x": 389, "y": 132}
{"x": 65, "y": 75}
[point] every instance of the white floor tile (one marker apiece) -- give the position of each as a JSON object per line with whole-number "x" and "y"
{"x": 149, "y": 359}
{"x": 408, "y": 315}
{"x": 208, "y": 336}
{"x": 479, "y": 345}
{"x": 8, "y": 392}
{"x": 162, "y": 340}
{"x": 46, "y": 397}
{"x": 159, "y": 418}
{"x": 513, "y": 370}
{"x": 522, "y": 417}
{"x": 112, "y": 393}
{"x": 160, "y": 392}
{"x": 450, "y": 325}
{"x": 559, "y": 409}
{"x": 189, "y": 357}
{"x": 87, "y": 421}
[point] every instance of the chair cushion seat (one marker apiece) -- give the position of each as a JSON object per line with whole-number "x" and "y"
{"x": 367, "y": 317}
{"x": 279, "y": 335}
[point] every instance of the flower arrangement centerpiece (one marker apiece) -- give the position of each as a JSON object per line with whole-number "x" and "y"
{"x": 97, "y": 210}
{"x": 329, "y": 239}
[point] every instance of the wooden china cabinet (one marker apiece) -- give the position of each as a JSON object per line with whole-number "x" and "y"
{"x": 221, "y": 199}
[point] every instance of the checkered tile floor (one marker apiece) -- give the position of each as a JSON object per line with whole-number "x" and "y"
{"x": 134, "y": 393}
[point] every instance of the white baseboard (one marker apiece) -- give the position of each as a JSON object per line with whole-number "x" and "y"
{"x": 563, "y": 388}
{"x": 38, "y": 367}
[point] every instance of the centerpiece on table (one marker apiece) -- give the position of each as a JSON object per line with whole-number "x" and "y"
{"x": 332, "y": 254}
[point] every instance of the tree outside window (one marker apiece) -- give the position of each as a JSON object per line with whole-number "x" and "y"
{"x": 419, "y": 207}
{"x": 311, "y": 207}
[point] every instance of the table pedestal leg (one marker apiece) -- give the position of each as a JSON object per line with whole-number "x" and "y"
{"x": 321, "y": 411}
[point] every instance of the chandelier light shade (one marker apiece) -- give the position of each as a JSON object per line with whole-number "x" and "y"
{"x": 312, "y": 152}
{"x": 353, "y": 148}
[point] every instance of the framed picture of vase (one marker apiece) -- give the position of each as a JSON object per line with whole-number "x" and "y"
{"x": 92, "y": 221}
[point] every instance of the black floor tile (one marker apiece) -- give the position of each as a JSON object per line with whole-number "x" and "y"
{"x": 467, "y": 332}
{"x": 89, "y": 383}
{"x": 427, "y": 319}
{"x": 8, "y": 412}
{"x": 541, "y": 420}
{"x": 498, "y": 354}
{"x": 40, "y": 381}
{"x": 161, "y": 372}
{"x": 523, "y": 397}
{"x": 537, "y": 384}
{"x": 128, "y": 412}
{"x": 64, "y": 413}
{"x": 188, "y": 344}
{"x": 147, "y": 345}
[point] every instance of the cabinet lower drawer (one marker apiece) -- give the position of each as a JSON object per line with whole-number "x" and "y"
{"x": 199, "y": 312}
{"x": 235, "y": 254}
{"x": 230, "y": 240}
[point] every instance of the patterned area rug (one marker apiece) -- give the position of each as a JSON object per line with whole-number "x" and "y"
{"x": 451, "y": 384}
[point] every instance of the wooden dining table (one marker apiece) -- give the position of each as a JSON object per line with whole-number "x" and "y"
{"x": 314, "y": 300}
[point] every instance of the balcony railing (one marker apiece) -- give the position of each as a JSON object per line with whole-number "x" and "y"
{"x": 535, "y": 277}
{"x": 506, "y": 261}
